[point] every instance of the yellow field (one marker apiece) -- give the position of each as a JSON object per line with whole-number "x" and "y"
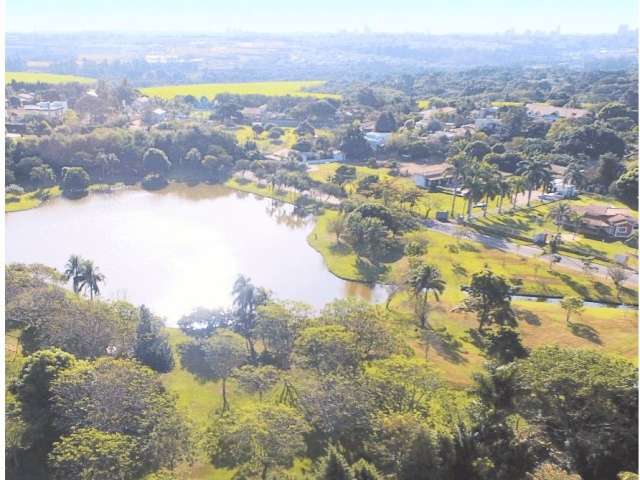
{"x": 210, "y": 90}
{"x": 35, "y": 77}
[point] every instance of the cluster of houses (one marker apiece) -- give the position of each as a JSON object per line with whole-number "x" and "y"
{"x": 46, "y": 110}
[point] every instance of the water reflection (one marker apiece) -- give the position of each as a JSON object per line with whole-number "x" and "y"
{"x": 181, "y": 247}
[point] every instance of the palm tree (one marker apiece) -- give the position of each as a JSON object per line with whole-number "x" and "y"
{"x": 517, "y": 185}
{"x": 560, "y": 214}
{"x": 574, "y": 174}
{"x": 424, "y": 279}
{"x": 474, "y": 183}
{"x": 504, "y": 185}
{"x": 246, "y": 299}
{"x": 90, "y": 278}
{"x": 456, "y": 168}
{"x": 536, "y": 172}
{"x": 73, "y": 270}
{"x": 491, "y": 177}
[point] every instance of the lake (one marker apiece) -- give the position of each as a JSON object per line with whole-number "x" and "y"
{"x": 182, "y": 247}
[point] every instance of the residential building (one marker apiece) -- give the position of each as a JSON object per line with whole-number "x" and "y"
{"x": 377, "y": 140}
{"x": 429, "y": 176}
{"x": 606, "y": 222}
{"x": 48, "y": 110}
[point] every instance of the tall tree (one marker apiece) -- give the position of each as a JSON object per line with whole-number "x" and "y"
{"x": 90, "y": 278}
{"x": 537, "y": 173}
{"x": 73, "y": 271}
{"x": 489, "y": 297}
{"x": 425, "y": 279}
{"x": 246, "y": 300}
{"x": 152, "y": 347}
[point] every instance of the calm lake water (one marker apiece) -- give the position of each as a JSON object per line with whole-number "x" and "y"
{"x": 182, "y": 247}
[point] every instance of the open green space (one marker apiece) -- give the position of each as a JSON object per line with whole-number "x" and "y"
{"x": 210, "y": 90}
{"x": 35, "y": 77}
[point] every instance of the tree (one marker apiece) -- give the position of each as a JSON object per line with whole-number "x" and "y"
{"x": 217, "y": 163}
{"x": 386, "y": 123}
{"x": 73, "y": 271}
{"x": 585, "y": 403}
{"x": 202, "y": 323}
{"x": 339, "y": 408}
{"x": 560, "y": 213}
{"x": 121, "y": 396}
{"x": 337, "y": 226}
{"x": 155, "y": 160}
{"x": 334, "y": 466}
{"x": 278, "y": 326}
{"x": 369, "y": 235}
{"x": 477, "y": 150}
{"x": 548, "y": 471}
{"x": 32, "y": 388}
{"x": 258, "y": 439}
{"x": 401, "y": 384}
{"x": 75, "y": 181}
{"x": 257, "y": 379}
{"x": 42, "y": 176}
{"x": 425, "y": 279}
{"x": 327, "y": 349}
{"x": 536, "y": 172}
{"x": 504, "y": 345}
{"x": 363, "y": 470}
{"x": 192, "y": 159}
{"x": 152, "y": 347}
{"x": 88, "y": 453}
{"x": 609, "y": 169}
{"x": 574, "y": 174}
{"x": 456, "y": 168}
{"x": 215, "y": 358}
{"x": 618, "y": 276}
{"x": 372, "y": 337}
{"x": 90, "y": 278}
{"x": 354, "y": 145}
{"x": 489, "y": 297}
{"x": 571, "y": 305}
{"x": 626, "y": 187}
{"x": 246, "y": 300}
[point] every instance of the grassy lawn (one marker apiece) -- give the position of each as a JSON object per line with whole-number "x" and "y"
{"x": 26, "y": 201}
{"x": 457, "y": 259}
{"x": 536, "y": 219}
{"x": 423, "y": 104}
{"x": 35, "y": 77}
{"x": 210, "y": 90}
{"x": 265, "y": 144}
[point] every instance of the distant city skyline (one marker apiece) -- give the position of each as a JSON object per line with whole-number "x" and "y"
{"x": 294, "y": 16}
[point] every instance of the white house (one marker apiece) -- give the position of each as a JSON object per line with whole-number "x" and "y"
{"x": 49, "y": 110}
{"x": 566, "y": 190}
{"x": 377, "y": 140}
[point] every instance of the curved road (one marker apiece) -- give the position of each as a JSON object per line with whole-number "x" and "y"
{"x": 530, "y": 251}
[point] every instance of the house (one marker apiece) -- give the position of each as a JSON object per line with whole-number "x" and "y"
{"x": 606, "y": 222}
{"x": 429, "y": 176}
{"x": 565, "y": 190}
{"x": 158, "y": 115}
{"x": 377, "y": 140}
{"x": 551, "y": 113}
{"x": 48, "y": 110}
{"x": 254, "y": 114}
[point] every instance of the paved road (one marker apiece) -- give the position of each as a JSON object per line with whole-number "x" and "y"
{"x": 530, "y": 251}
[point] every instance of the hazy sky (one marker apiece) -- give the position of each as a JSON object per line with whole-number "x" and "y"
{"x": 434, "y": 16}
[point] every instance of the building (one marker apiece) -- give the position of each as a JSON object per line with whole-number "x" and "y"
{"x": 47, "y": 110}
{"x": 551, "y": 113}
{"x": 565, "y": 190}
{"x": 429, "y": 176}
{"x": 255, "y": 114}
{"x": 606, "y": 222}
{"x": 377, "y": 140}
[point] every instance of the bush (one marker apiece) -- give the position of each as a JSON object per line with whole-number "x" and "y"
{"x": 154, "y": 182}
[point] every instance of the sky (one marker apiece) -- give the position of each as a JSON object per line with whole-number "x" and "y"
{"x": 278, "y": 16}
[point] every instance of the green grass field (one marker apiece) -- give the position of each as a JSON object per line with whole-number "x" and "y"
{"x": 26, "y": 201}
{"x": 423, "y": 104}
{"x": 210, "y": 90}
{"x": 507, "y": 104}
{"x": 35, "y": 77}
